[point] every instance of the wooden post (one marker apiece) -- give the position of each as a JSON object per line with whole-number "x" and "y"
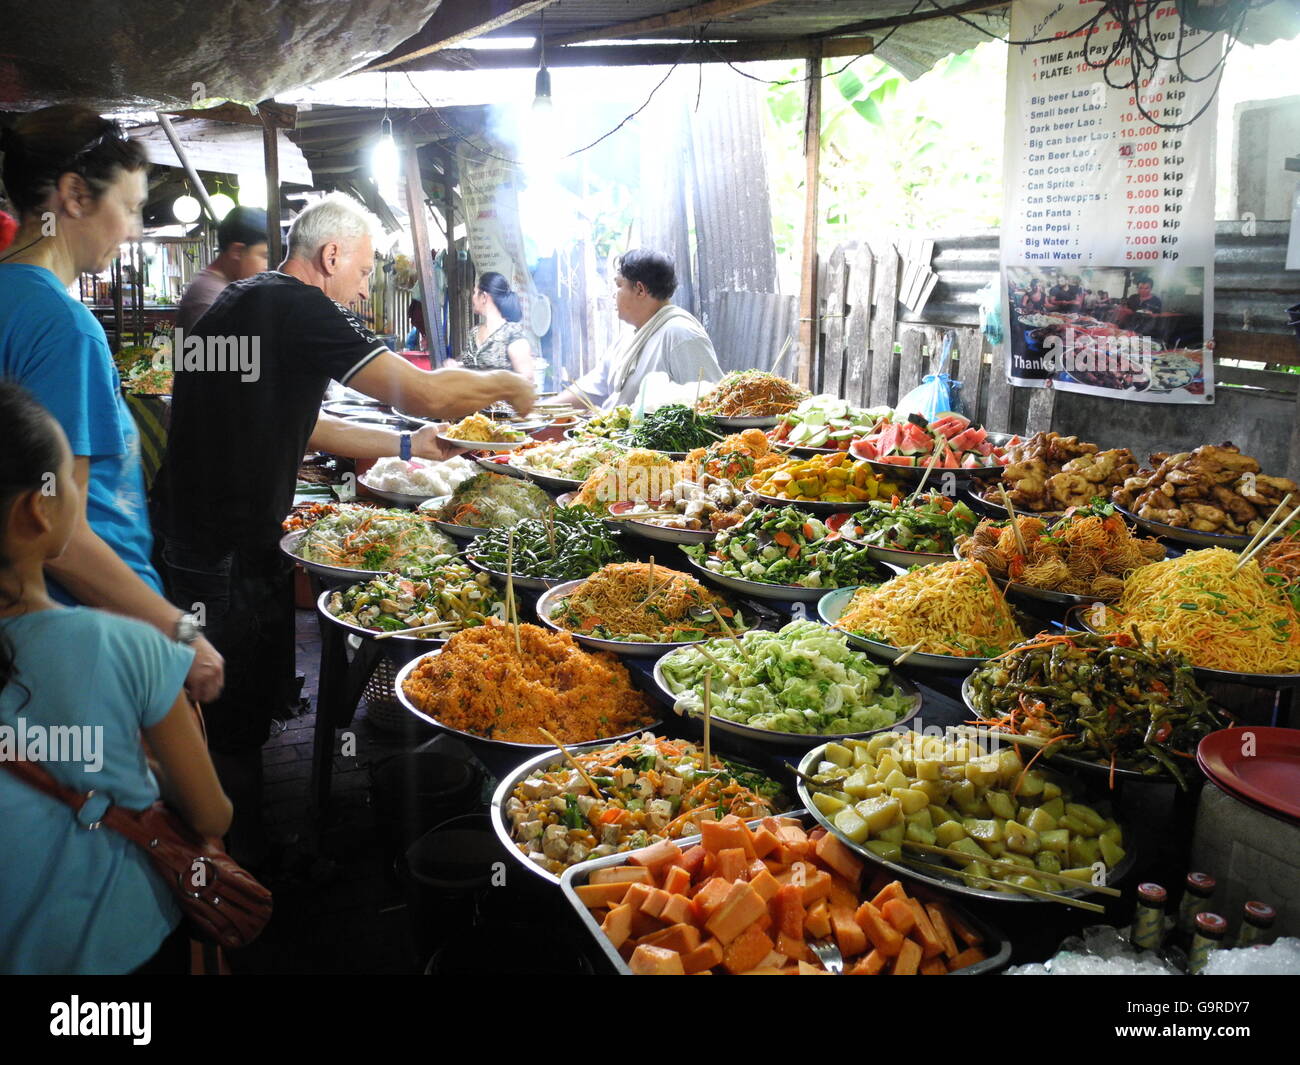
{"x": 812, "y": 143}
{"x": 271, "y": 157}
{"x": 451, "y": 265}
{"x": 419, "y": 235}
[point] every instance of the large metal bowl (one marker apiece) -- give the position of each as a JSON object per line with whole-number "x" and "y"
{"x": 792, "y": 739}
{"x": 832, "y": 605}
{"x": 812, "y": 506}
{"x": 1185, "y": 536}
{"x": 425, "y": 642}
{"x": 546, "y": 760}
{"x": 988, "y": 508}
{"x": 653, "y": 531}
{"x": 913, "y": 474}
{"x": 549, "y": 599}
{"x": 1071, "y": 760}
{"x": 758, "y": 421}
{"x": 953, "y": 883}
{"x": 996, "y": 944}
{"x": 1080, "y": 618}
{"x": 333, "y": 574}
{"x": 532, "y": 584}
{"x": 500, "y": 748}
{"x": 781, "y": 593}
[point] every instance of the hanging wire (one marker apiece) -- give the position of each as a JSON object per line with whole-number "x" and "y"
{"x": 1135, "y": 47}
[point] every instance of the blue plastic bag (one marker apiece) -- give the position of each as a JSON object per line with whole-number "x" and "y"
{"x": 932, "y": 397}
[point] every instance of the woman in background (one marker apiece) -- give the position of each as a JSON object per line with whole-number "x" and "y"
{"x": 499, "y": 341}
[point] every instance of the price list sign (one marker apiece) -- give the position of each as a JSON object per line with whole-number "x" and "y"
{"x": 1108, "y": 221}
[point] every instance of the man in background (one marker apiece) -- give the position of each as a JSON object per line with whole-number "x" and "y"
{"x": 668, "y": 340}
{"x": 241, "y": 253}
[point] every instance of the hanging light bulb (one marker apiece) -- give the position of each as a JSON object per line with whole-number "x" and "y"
{"x": 384, "y": 163}
{"x": 252, "y": 189}
{"x": 222, "y": 205}
{"x": 185, "y": 209}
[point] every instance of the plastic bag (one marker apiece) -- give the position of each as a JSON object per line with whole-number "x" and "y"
{"x": 932, "y": 397}
{"x": 989, "y": 299}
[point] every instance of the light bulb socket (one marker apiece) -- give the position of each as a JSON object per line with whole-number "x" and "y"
{"x": 542, "y": 92}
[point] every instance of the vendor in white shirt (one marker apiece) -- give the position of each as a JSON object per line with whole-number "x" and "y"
{"x": 668, "y": 340}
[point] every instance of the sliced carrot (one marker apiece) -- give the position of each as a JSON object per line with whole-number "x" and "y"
{"x": 966, "y": 958}
{"x": 941, "y": 930}
{"x": 908, "y": 960}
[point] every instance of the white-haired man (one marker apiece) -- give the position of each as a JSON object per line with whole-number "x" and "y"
{"x": 246, "y": 405}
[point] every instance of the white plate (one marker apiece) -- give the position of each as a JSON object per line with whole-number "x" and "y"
{"x": 482, "y": 445}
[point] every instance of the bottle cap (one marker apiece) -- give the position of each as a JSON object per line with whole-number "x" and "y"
{"x": 1200, "y": 884}
{"x": 1211, "y": 924}
{"x": 1152, "y": 894}
{"x": 1259, "y": 913}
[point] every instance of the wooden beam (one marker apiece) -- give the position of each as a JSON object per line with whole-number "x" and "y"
{"x": 686, "y": 16}
{"x": 812, "y": 145}
{"x": 889, "y": 21}
{"x": 636, "y": 55}
{"x": 269, "y": 113}
{"x": 271, "y": 156}
{"x": 455, "y": 22}
{"x": 419, "y": 230}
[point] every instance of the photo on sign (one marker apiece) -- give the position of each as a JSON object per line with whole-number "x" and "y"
{"x": 1132, "y": 333}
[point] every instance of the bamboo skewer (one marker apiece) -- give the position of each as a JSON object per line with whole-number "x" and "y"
{"x": 1015, "y": 522}
{"x": 730, "y": 671}
{"x": 906, "y": 654}
{"x": 573, "y": 762}
{"x": 512, "y": 610}
{"x": 1263, "y": 529}
{"x": 437, "y": 626}
{"x": 731, "y": 634}
{"x": 708, "y": 715}
{"x": 1048, "y": 896}
{"x": 929, "y": 467}
{"x": 1277, "y": 531}
{"x": 996, "y": 863}
{"x": 578, "y": 392}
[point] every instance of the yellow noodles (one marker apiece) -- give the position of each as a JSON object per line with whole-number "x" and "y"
{"x": 949, "y": 609}
{"x": 1219, "y": 619}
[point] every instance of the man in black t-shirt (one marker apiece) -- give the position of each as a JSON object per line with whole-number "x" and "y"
{"x": 1066, "y": 295}
{"x": 245, "y": 407}
{"x": 1147, "y": 300}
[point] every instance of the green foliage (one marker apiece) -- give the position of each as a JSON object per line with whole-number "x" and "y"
{"x": 923, "y": 155}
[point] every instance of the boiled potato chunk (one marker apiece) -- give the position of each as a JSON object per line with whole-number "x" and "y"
{"x": 927, "y": 769}
{"x": 1054, "y": 806}
{"x": 949, "y": 832}
{"x": 1084, "y": 851}
{"x": 895, "y": 833}
{"x": 1092, "y": 820}
{"x": 940, "y": 814}
{"x": 911, "y": 799}
{"x": 1047, "y": 862}
{"x": 1021, "y": 839}
{"x": 1111, "y": 852}
{"x": 1032, "y": 785}
{"x": 861, "y": 756}
{"x": 879, "y": 812}
{"x": 838, "y": 754}
{"x": 1057, "y": 841}
{"x": 896, "y": 779}
{"x": 983, "y": 831}
{"x": 857, "y": 785}
{"x": 969, "y": 847}
{"x": 920, "y": 833}
{"x": 1040, "y": 820}
{"x": 853, "y": 826}
{"x": 827, "y": 804}
{"x": 1001, "y": 804}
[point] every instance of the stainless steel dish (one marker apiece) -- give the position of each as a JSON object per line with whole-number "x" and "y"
{"x": 953, "y": 883}
{"x": 793, "y": 739}
{"x": 550, "y": 599}
{"x": 523, "y": 751}
{"x": 996, "y": 944}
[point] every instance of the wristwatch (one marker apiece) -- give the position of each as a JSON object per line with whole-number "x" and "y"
{"x": 188, "y": 628}
{"x": 405, "y": 445}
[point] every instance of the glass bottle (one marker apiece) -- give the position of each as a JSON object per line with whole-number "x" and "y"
{"x": 1208, "y": 937}
{"x": 1149, "y": 919}
{"x": 1256, "y": 923}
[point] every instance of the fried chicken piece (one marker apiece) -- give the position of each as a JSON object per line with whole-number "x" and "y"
{"x": 1227, "y": 456}
{"x": 1073, "y": 489}
{"x": 1235, "y": 505}
{"x": 1263, "y": 491}
{"x": 1204, "y": 517}
{"x": 1169, "y": 516}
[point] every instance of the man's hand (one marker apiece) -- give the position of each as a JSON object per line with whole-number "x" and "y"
{"x": 207, "y": 675}
{"x": 515, "y": 389}
{"x": 426, "y": 445}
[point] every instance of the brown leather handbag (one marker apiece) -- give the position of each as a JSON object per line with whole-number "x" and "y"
{"x": 222, "y": 900}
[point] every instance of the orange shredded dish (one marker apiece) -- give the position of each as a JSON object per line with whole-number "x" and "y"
{"x": 480, "y": 685}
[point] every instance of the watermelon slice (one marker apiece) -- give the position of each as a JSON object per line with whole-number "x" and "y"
{"x": 968, "y": 439}
{"x": 971, "y": 462}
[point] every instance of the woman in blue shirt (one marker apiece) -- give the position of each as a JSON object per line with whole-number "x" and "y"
{"x": 72, "y": 900}
{"x": 78, "y": 185}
